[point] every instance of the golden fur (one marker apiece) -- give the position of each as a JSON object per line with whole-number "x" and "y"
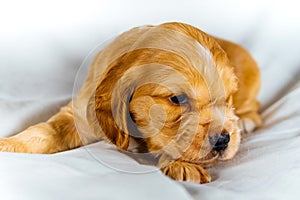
{"x": 126, "y": 97}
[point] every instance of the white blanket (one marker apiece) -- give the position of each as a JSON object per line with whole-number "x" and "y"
{"x": 42, "y": 46}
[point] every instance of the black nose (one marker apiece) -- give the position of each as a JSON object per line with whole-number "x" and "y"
{"x": 219, "y": 142}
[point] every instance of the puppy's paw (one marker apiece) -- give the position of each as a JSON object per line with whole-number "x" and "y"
{"x": 9, "y": 145}
{"x": 184, "y": 171}
{"x": 5, "y": 145}
{"x": 249, "y": 122}
{"x": 246, "y": 125}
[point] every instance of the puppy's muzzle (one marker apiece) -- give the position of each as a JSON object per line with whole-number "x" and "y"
{"x": 219, "y": 142}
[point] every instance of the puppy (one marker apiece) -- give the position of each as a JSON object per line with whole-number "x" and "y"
{"x": 171, "y": 91}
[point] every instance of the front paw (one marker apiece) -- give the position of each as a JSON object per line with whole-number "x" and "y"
{"x": 9, "y": 145}
{"x": 249, "y": 122}
{"x": 184, "y": 171}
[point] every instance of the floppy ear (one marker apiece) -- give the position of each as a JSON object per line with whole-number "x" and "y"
{"x": 112, "y": 111}
{"x": 115, "y": 133}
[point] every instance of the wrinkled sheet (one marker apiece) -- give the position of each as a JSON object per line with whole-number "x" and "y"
{"x": 42, "y": 49}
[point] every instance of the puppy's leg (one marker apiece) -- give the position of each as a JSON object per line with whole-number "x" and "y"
{"x": 57, "y": 134}
{"x": 247, "y": 71}
{"x": 184, "y": 171}
{"x": 249, "y": 116}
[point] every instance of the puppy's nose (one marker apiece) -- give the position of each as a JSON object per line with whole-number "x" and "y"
{"x": 219, "y": 142}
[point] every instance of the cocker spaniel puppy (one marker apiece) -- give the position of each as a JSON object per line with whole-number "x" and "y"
{"x": 171, "y": 91}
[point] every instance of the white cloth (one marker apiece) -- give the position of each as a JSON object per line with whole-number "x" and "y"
{"x": 43, "y": 45}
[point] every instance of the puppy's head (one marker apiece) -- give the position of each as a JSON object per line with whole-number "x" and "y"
{"x": 172, "y": 91}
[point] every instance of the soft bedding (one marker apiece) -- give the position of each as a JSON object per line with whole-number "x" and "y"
{"x": 40, "y": 56}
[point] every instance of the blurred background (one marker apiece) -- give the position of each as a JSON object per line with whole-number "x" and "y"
{"x": 43, "y": 43}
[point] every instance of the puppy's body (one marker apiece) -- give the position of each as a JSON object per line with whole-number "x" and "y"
{"x": 129, "y": 96}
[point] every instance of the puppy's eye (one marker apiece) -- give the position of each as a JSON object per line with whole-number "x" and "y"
{"x": 179, "y": 99}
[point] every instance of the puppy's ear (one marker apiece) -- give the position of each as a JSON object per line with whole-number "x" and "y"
{"x": 112, "y": 111}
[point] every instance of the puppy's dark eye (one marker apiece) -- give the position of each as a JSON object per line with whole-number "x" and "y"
{"x": 179, "y": 99}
